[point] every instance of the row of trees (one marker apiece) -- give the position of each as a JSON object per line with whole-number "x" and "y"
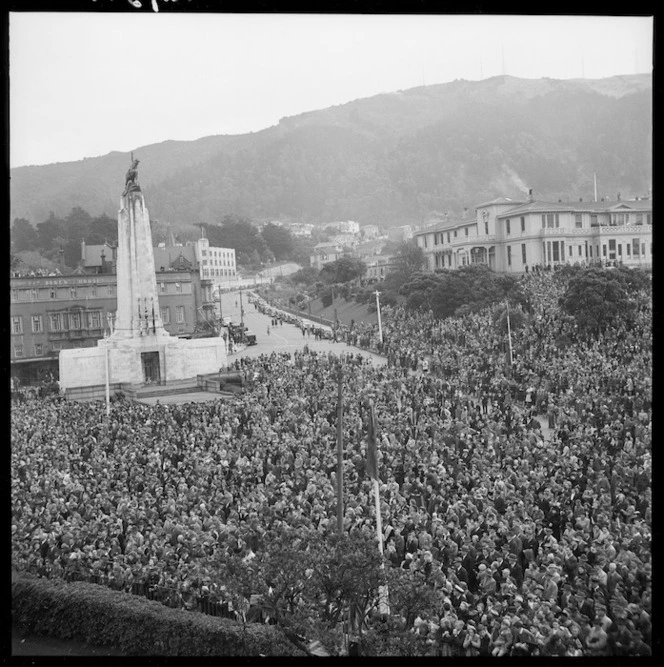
{"x": 42, "y": 244}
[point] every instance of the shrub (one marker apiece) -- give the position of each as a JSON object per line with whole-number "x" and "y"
{"x": 134, "y": 625}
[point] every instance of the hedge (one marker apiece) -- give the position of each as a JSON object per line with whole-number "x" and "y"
{"x": 100, "y": 616}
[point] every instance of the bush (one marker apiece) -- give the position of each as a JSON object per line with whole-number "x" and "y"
{"x": 134, "y": 625}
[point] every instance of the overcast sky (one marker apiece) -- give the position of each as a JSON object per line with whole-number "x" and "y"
{"x": 85, "y": 84}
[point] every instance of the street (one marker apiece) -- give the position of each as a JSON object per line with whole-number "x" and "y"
{"x": 282, "y": 338}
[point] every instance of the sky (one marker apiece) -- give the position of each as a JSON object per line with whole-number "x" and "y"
{"x": 85, "y": 84}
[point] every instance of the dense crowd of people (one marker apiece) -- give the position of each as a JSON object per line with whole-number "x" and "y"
{"x": 536, "y": 537}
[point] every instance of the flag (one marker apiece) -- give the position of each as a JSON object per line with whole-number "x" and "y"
{"x": 372, "y": 463}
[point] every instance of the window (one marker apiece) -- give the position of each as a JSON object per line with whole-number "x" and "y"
{"x": 603, "y": 249}
{"x": 523, "y": 223}
{"x": 550, "y": 220}
{"x": 18, "y": 350}
{"x": 455, "y": 233}
{"x": 507, "y": 227}
{"x": 166, "y": 315}
{"x": 94, "y": 319}
{"x": 593, "y": 220}
{"x": 39, "y": 349}
{"x": 162, "y": 288}
{"x": 37, "y": 324}
{"x": 628, "y": 247}
{"x": 578, "y": 220}
{"x": 14, "y": 295}
{"x": 425, "y": 241}
{"x": 179, "y": 314}
{"x": 509, "y": 256}
{"x": 580, "y": 251}
{"x": 34, "y": 294}
{"x": 620, "y": 250}
{"x": 556, "y": 252}
{"x": 72, "y": 292}
{"x": 54, "y": 293}
{"x": 465, "y": 231}
{"x": 591, "y": 251}
{"x": 524, "y": 261}
{"x": 111, "y": 290}
{"x": 17, "y": 324}
{"x": 570, "y": 252}
{"x": 635, "y": 247}
{"x": 178, "y": 287}
{"x": 74, "y": 320}
{"x": 435, "y": 239}
{"x": 448, "y": 237}
{"x": 56, "y": 323}
{"x": 93, "y": 290}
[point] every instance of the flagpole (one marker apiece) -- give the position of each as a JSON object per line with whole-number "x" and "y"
{"x": 372, "y": 459}
{"x": 509, "y": 333}
{"x": 340, "y": 453}
{"x": 380, "y": 324}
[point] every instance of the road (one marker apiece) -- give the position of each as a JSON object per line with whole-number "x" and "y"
{"x": 282, "y": 338}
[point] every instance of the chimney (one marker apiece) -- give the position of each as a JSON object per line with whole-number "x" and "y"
{"x": 61, "y": 253}
{"x": 618, "y": 196}
{"x": 83, "y": 251}
{"x": 530, "y": 194}
{"x": 103, "y": 262}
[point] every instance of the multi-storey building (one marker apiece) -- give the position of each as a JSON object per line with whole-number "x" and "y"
{"x": 52, "y": 313}
{"x": 211, "y": 263}
{"x": 510, "y": 236}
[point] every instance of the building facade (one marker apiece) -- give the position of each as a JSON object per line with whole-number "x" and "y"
{"x": 513, "y": 236}
{"x": 211, "y": 263}
{"x": 324, "y": 253}
{"x": 52, "y": 313}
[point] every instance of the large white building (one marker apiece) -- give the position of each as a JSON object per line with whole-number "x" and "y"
{"x": 215, "y": 264}
{"x": 509, "y": 235}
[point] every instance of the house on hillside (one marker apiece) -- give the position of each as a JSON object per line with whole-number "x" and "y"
{"x": 324, "y": 253}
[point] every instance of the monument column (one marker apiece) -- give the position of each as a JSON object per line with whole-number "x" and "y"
{"x": 138, "y": 311}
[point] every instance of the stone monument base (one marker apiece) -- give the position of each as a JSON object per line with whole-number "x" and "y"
{"x": 141, "y": 360}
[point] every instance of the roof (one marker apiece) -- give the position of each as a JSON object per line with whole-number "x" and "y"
{"x": 535, "y": 207}
{"x": 585, "y": 206}
{"x": 448, "y": 225}
{"x": 500, "y": 201}
{"x": 93, "y": 254}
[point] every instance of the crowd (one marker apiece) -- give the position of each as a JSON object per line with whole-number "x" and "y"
{"x": 536, "y": 537}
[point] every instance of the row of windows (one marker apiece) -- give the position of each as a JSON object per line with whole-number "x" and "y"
{"x": 554, "y": 251}
{"x": 76, "y": 321}
{"x": 218, "y": 272}
{"x": 72, "y": 292}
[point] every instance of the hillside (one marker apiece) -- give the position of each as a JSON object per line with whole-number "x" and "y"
{"x": 388, "y": 159}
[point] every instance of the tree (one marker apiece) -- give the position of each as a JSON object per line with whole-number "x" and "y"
{"x": 279, "y": 240}
{"x": 597, "y": 298}
{"x": 24, "y": 236}
{"x": 343, "y": 270}
{"x": 50, "y": 232}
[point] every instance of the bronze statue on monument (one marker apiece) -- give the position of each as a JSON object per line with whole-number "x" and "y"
{"x": 131, "y": 180}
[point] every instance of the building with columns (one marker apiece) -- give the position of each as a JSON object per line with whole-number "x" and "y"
{"x": 512, "y": 236}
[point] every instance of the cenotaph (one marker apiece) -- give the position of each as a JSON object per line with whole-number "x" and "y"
{"x": 139, "y": 350}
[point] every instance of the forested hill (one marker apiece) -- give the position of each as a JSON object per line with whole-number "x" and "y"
{"x": 394, "y": 158}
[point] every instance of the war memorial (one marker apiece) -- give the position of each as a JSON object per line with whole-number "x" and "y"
{"x": 139, "y": 350}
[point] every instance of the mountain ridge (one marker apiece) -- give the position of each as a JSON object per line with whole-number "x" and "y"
{"x": 395, "y": 157}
